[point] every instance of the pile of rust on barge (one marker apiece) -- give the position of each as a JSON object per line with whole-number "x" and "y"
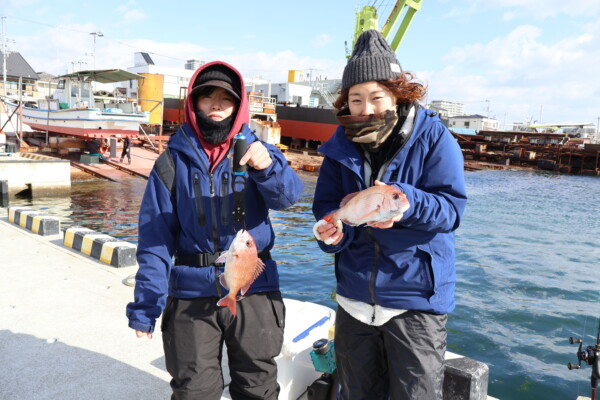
{"x": 546, "y": 151}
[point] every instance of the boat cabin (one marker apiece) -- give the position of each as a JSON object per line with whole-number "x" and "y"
{"x": 76, "y": 90}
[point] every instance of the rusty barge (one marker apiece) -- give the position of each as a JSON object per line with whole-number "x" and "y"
{"x": 546, "y": 151}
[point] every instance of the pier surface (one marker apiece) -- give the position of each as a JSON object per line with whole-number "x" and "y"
{"x": 64, "y": 334}
{"x": 63, "y": 330}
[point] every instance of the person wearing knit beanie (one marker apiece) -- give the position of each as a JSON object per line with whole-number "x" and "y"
{"x": 395, "y": 278}
{"x": 372, "y": 60}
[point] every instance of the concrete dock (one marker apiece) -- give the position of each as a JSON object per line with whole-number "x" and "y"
{"x": 63, "y": 330}
{"x": 64, "y": 334}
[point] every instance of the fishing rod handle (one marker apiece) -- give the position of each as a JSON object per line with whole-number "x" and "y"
{"x": 239, "y": 149}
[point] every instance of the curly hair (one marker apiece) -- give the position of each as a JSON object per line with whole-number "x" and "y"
{"x": 405, "y": 88}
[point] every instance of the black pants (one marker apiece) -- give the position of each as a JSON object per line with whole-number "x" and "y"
{"x": 194, "y": 331}
{"x": 400, "y": 360}
{"x": 126, "y": 151}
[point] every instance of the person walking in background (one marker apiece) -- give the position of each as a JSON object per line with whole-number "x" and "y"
{"x": 187, "y": 213}
{"x": 396, "y": 278}
{"x": 126, "y": 150}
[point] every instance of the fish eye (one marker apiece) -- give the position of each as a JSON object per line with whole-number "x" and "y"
{"x": 248, "y": 243}
{"x": 395, "y": 196}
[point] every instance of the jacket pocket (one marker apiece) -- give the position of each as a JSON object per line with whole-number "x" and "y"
{"x": 278, "y": 308}
{"x": 168, "y": 312}
{"x": 437, "y": 270}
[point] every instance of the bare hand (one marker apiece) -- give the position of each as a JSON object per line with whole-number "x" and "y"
{"x": 257, "y": 156}
{"x": 385, "y": 224}
{"x": 141, "y": 334}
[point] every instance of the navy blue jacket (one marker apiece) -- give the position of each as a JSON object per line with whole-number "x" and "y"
{"x": 411, "y": 265}
{"x": 197, "y": 218}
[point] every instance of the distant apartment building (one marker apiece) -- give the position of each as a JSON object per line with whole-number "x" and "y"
{"x": 447, "y": 109}
{"x": 193, "y": 64}
{"x": 474, "y": 122}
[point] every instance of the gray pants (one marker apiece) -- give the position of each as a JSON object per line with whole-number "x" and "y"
{"x": 194, "y": 331}
{"x": 400, "y": 360}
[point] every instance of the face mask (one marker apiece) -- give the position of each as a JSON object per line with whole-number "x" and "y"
{"x": 370, "y": 131}
{"x": 214, "y": 132}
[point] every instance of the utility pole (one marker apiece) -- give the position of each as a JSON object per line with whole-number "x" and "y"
{"x": 95, "y": 34}
{"x": 4, "y": 55}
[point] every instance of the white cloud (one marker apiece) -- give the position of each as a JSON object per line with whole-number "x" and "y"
{"x": 531, "y": 9}
{"x": 517, "y": 70}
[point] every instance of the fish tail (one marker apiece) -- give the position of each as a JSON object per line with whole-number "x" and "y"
{"x": 229, "y": 302}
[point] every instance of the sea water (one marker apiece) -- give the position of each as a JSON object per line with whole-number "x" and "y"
{"x": 527, "y": 260}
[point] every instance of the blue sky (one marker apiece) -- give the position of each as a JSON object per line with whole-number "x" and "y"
{"x": 535, "y": 60}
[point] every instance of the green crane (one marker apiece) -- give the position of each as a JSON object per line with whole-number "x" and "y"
{"x": 366, "y": 19}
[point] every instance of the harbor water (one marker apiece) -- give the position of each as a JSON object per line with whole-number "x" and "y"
{"x": 528, "y": 259}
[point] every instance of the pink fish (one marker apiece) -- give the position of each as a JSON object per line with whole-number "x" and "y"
{"x": 375, "y": 204}
{"x": 242, "y": 267}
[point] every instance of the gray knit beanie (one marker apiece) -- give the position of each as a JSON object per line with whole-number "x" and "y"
{"x": 372, "y": 60}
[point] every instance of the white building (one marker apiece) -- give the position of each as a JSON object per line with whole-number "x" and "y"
{"x": 287, "y": 92}
{"x": 476, "y": 122}
{"x": 176, "y": 80}
{"x": 447, "y": 108}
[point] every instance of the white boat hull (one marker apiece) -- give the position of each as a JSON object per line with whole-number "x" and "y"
{"x": 82, "y": 122}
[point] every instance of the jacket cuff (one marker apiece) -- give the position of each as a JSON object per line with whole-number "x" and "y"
{"x": 138, "y": 326}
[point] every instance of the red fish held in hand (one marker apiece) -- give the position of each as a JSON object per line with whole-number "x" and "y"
{"x": 378, "y": 203}
{"x": 242, "y": 267}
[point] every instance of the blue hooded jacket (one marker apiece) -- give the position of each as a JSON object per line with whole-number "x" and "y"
{"x": 196, "y": 217}
{"x": 411, "y": 265}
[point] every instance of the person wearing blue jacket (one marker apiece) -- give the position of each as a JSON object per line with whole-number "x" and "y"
{"x": 395, "y": 279}
{"x": 187, "y": 218}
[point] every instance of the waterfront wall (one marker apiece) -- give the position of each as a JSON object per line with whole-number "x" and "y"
{"x": 42, "y": 175}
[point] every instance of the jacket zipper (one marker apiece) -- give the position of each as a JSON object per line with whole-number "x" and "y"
{"x": 215, "y": 229}
{"x": 213, "y": 210}
{"x": 225, "y": 208}
{"x": 376, "y": 250}
{"x": 198, "y": 199}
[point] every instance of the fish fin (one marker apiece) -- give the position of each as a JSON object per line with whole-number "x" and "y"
{"x": 222, "y": 258}
{"x": 347, "y": 198}
{"x": 228, "y": 302}
{"x": 223, "y": 282}
{"x": 260, "y": 267}
{"x": 245, "y": 289}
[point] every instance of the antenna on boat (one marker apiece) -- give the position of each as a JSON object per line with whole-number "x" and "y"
{"x": 591, "y": 356}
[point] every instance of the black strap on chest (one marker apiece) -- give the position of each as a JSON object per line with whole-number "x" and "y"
{"x": 198, "y": 259}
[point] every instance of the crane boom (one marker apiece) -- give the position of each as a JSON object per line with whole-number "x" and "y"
{"x": 412, "y": 6}
{"x": 366, "y": 18}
